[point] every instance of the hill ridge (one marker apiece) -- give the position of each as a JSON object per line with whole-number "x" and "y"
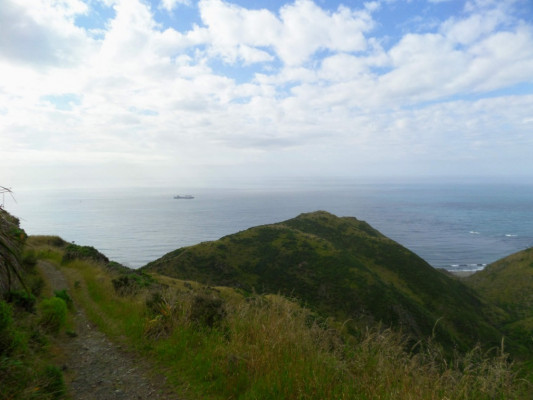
{"x": 342, "y": 267}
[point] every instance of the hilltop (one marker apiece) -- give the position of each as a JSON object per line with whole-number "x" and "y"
{"x": 340, "y": 267}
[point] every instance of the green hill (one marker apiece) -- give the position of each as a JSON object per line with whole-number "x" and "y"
{"x": 340, "y": 267}
{"x": 508, "y": 283}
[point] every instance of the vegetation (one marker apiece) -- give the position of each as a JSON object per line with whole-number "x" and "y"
{"x": 508, "y": 283}
{"x": 344, "y": 268}
{"x": 63, "y": 295}
{"x": 222, "y": 343}
{"x": 252, "y": 341}
{"x": 11, "y": 241}
{"x": 53, "y": 314}
{"x": 27, "y": 364}
{"x": 75, "y": 252}
{"x": 131, "y": 282}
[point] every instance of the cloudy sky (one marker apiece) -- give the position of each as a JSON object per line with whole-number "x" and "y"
{"x": 136, "y": 92}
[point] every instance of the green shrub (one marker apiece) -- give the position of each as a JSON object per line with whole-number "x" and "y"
{"x": 74, "y": 252}
{"x": 207, "y": 310}
{"x": 6, "y": 316}
{"x": 53, "y": 384}
{"x": 37, "y": 337}
{"x": 62, "y": 294}
{"x": 163, "y": 316}
{"x": 115, "y": 266}
{"x": 14, "y": 378}
{"x": 29, "y": 260}
{"x": 57, "y": 241}
{"x": 22, "y": 299}
{"x": 53, "y": 314}
{"x": 11, "y": 338}
{"x": 155, "y": 303}
{"x": 36, "y": 286}
{"x": 129, "y": 284}
{"x": 125, "y": 285}
{"x": 6, "y": 322}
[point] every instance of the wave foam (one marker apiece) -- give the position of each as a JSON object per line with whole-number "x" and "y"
{"x": 467, "y": 267}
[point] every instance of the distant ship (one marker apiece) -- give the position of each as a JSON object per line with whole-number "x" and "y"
{"x": 187, "y": 196}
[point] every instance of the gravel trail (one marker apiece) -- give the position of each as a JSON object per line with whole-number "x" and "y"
{"x": 98, "y": 369}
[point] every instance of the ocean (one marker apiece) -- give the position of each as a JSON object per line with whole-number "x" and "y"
{"x": 451, "y": 226}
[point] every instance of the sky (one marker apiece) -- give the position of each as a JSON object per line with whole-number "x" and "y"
{"x": 181, "y": 92}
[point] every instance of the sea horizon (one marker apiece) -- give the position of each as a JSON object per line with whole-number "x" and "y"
{"x": 456, "y": 226}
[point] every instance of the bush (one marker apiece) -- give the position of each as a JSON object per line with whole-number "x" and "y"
{"x": 62, "y": 294}
{"x": 163, "y": 315}
{"x": 207, "y": 310}
{"x": 74, "y": 252}
{"x": 129, "y": 284}
{"x": 6, "y": 321}
{"x": 29, "y": 260}
{"x": 6, "y": 316}
{"x": 14, "y": 378}
{"x": 125, "y": 285}
{"x": 36, "y": 286}
{"x": 22, "y": 299}
{"x": 54, "y": 384}
{"x": 115, "y": 266}
{"x": 53, "y": 314}
{"x": 155, "y": 303}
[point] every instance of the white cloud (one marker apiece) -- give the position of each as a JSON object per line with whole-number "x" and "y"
{"x": 307, "y": 29}
{"x": 504, "y": 58}
{"x": 300, "y": 83}
{"x": 234, "y": 30}
{"x": 302, "y": 29}
{"x": 40, "y": 33}
{"x": 169, "y": 5}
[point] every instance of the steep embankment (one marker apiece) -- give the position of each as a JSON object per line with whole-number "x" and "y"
{"x": 508, "y": 283}
{"x": 341, "y": 267}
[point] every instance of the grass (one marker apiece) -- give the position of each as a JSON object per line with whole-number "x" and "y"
{"x": 268, "y": 347}
{"x": 53, "y": 314}
{"x": 508, "y": 283}
{"x": 28, "y": 367}
{"x": 27, "y": 364}
{"x": 341, "y": 267}
{"x": 218, "y": 343}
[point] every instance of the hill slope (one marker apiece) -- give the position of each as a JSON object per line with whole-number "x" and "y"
{"x": 340, "y": 267}
{"x": 508, "y": 283}
{"x": 214, "y": 343}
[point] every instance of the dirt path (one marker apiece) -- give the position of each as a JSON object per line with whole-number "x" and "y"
{"x": 99, "y": 369}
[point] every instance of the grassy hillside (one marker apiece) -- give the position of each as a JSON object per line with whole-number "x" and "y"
{"x": 508, "y": 283}
{"x": 344, "y": 268}
{"x": 224, "y": 343}
{"x": 215, "y": 343}
{"x": 12, "y": 239}
{"x": 32, "y": 319}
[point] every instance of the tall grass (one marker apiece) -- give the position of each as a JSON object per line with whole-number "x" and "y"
{"x": 27, "y": 361}
{"x": 27, "y": 356}
{"x": 267, "y": 347}
{"x": 118, "y": 316}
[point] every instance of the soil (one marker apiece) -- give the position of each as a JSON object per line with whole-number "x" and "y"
{"x": 96, "y": 368}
